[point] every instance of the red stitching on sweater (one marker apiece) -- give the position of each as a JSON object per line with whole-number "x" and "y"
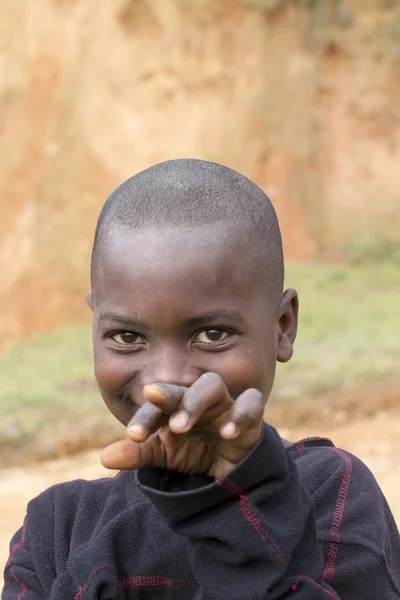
{"x": 337, "y": 517}
{"x": 84, "y": 588}
{"x": 327, "y": 592}
{"x": 255, "y": 522}
{"x": 136, "y": 581}
{"x": 16, "y": 546}
{"x": 252, "y": 517}
{"x": 155, "y": 581}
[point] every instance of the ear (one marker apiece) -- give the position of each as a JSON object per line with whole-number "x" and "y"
{"x": 89, "y": 300}
{"x": 287, "y": 325}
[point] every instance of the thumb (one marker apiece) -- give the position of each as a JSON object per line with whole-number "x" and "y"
{"x": 125, "y": 454}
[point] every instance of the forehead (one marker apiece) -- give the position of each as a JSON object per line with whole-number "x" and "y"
{"x": 175, "y": 262}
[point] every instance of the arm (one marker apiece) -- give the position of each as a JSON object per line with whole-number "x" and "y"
{"x": 356, "y": 529}
{"x": 20, "y": 578}
{"x": 248, "y": 515}
{"x": 252, "y": 534}
{"x": 32, "y": 565}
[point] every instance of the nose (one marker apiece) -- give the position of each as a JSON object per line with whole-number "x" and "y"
{"x": 170, "y": 365}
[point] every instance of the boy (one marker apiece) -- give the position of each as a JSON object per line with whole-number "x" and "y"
{"x": 190, "y": 318}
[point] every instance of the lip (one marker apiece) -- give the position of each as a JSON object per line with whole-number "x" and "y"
{"x": 128, "y": 401}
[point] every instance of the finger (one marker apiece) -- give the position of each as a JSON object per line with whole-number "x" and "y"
{"x": 164, "y": 395}
{"x": 121, "y": 455}
{"x": 127, "y": 454}
{"x": 246, "y": 413}
{"x": 208, "y": 397}
{"x": 147, "y": 419}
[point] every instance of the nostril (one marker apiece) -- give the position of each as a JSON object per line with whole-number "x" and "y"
{"x": 180, "y": 379}
{"x": 171, "y": 365}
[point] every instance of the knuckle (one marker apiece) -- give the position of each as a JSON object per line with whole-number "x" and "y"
{"x": 256, "y": 394}
{"x": 242, "y": 414}
{"x": 146, "y": 413}
{"x": 212, "y": 382}
{"x": 256, "y": 398}
{"x": 212, "y": 379}
{"x": 191, "y": 403}
{"x": 250, "y": 405}
{"x": 208, "y": 388}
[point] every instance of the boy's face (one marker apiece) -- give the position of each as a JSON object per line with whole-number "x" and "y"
{"x": 170, "y": 305}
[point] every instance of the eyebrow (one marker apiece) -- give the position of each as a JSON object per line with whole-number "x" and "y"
{"x": 202, "y": 319}
{"x": 124, "y": 320}
{"x": 212, "y": 317}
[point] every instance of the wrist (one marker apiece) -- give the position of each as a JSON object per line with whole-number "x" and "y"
{"x": 187, "y": 495}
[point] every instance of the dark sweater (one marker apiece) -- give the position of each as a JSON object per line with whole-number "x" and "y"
{"x": 307, "y": 522}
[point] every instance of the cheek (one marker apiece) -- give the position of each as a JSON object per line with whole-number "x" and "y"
{"x": 104, "y": 372}
{"x": 249, "y": 370}
{"x": 114, "y": 383}
{"x": 110, "y": 372}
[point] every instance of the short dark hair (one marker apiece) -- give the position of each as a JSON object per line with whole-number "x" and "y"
{"x": 191, "y": 192}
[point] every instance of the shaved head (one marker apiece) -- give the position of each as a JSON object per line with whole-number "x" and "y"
{"x": 189, "y": 193}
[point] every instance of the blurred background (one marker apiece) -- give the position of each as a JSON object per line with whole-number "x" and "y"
{"x": 303, "y": 97}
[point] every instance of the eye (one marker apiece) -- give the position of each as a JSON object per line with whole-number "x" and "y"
{"x": 128, "y": 338}
{"x": 212, "y": 335}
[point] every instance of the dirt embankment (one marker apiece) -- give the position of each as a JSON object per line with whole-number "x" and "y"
{"x": 304, "y": 101}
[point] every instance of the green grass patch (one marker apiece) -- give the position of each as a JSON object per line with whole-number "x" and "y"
{"x": 271, "y": 5}
{"x": 348, "y": 335}
{"x": 348, "y": 328}
{"x": 49, "y": 369}
{"x": 49, "y": 402}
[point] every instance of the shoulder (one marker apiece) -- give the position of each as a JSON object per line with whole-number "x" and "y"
{"x": 69, "y": 497}
{"x": 349, "y": 505}
{"x": 69, "y": 514}
{"x": 61, "y": 519}
{"x": 320, "y": 464}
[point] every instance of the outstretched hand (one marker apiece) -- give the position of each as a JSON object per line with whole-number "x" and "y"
{"x": 200, "y": 429}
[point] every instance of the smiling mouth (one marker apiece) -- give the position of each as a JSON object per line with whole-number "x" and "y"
{"x": 129, "y": 403}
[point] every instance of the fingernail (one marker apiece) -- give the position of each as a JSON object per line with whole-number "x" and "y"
{"x": 137, "y": 429}
{"x": 153, "y": 387}
{"x": 180, "y": 420}
{"x": 158, "y": 388}
{"x": 229, "y": 429}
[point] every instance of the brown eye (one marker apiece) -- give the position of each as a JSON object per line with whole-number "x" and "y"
{"x": 208, "y": 336}
{"x": 128, "y": 338}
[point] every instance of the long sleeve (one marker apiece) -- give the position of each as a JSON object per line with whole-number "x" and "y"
{"x": 20, "y": 577}
{"x": 307, "y": 523}
{"x": 253, "y": 535}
